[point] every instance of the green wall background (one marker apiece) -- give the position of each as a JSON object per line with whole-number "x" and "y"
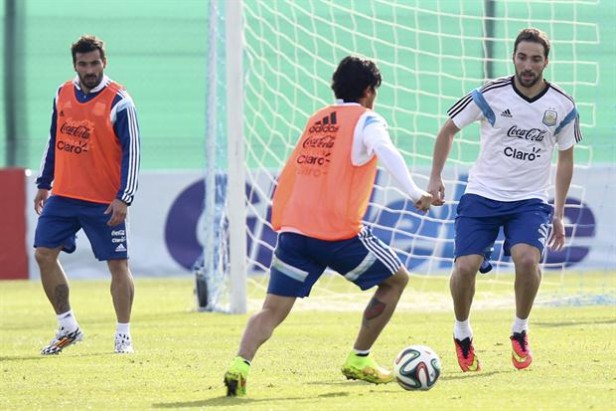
{"x": 158, "y": 50}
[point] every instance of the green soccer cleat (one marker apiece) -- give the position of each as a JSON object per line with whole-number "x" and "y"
{"x": 366, "y": 369}
{"x": 235, "y": 377}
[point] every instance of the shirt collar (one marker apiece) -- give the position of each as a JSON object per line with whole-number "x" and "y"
{"x": 96, "y": 89}
{"x": 342, "y": 102}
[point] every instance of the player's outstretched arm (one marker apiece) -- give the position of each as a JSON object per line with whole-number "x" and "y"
{"x": 442, "y": 146}
{"x": 394, "y": 163}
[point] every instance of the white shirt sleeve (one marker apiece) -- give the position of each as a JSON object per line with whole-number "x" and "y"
{"x": 465, "y": 112}
{"x": 372, "y": 138}
{"x": 570, "y": 134}
{"x": 392, "y": 160}
{"x": 370, "y": 131}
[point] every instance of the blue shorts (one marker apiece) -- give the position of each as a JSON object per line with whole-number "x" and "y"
{"x": 479, "y": 219}
{"x": 299, "y": 261}
{"x": 62, "y": 217}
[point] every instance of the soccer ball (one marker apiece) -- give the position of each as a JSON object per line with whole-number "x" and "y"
{"x": 417, "y": 368}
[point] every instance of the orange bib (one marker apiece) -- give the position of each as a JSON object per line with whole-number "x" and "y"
{"x": 320, "y": 192}
{"x": 88, "y": 154}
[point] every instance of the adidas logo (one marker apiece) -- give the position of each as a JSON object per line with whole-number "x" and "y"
{"x": 325, "y": 125}
{"x": 506, "y": 113}
{"x": 332, "y": 117}
{"x": 120, "y": 248}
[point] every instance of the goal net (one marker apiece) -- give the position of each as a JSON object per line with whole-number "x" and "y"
{"x": 430, "y": 54}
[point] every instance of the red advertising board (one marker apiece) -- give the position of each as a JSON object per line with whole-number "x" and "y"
{"x": 13, "y": 217}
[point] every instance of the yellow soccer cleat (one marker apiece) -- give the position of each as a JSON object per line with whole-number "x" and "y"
{"x": 366, "y": 369}
{"x": 236, "y": 376}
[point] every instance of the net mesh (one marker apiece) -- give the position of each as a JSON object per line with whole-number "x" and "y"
{"x": 430, "y": 54}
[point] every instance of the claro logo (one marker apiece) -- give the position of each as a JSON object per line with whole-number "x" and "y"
{"x": 521, "y": 154}
{"x": 80, "y": 147}
{"x": 308, "y": 159}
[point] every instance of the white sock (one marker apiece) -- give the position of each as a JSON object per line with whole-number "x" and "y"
{"x": 519, "y": 325}
{"x": 123, "y": 328}
{"x": 361, "y": 353}
{"x": 67, "y": 321}
{"x": 462, "y": 330}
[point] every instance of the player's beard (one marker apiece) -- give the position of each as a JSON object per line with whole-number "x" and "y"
{"x": 90, "y": 81}
{"x": 529, "y": 81}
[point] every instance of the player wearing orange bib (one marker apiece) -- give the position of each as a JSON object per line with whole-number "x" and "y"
{"x": 92, "y": 162}
{"x": 321, "y": 197}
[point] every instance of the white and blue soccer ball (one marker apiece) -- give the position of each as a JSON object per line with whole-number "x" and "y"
{"x": 417, "y": 367}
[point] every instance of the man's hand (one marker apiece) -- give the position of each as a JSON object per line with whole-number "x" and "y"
{"x": 39, "y": 200}
{"x": 557, "y": 236}
{"x": 437, "y": 189}
{"x": 423, "y": 204}
{"x": 118, "y": 210}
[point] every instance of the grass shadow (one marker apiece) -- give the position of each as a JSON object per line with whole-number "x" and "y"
{"x": 221, "y": 402}
{"x": 465, "y": 375}
{"x": 52, "y": 356}
{"x": 573, "y": 323}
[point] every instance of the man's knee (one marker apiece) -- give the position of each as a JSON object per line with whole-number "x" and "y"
{"x": 119, "y": 267}
{"x": 466, "y": 267}
{"x": 526, "y": 258}
{"x": 399, "y": 280}
{"x": 527, "y": 263}
{"x": 276, "y": 308}
{"x": 45, "y": 256}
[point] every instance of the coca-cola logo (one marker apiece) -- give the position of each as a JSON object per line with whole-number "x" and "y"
{"x": 319, "y": 142}
{"x": 531, "y": 134}
{"x": 80, "y": 130}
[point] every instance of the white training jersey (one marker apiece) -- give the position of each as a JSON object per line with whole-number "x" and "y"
{"x": 518, "y": 136}
{"x": 371, "y": 131}
{"x": 371, "y": 137}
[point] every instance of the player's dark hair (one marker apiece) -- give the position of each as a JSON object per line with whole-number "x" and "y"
{"x": 352, "y": 77}
{"x": 534, "y": 36}
{"x": 86, "y": 44}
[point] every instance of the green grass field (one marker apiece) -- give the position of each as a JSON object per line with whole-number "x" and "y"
{"x": 181, "y": 355}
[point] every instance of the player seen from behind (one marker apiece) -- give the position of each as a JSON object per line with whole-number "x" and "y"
{"x": 321, "y": 197}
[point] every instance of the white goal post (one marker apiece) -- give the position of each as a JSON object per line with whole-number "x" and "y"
{"x": 236, "y": 180}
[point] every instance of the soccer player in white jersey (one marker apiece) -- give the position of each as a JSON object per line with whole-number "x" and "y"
{"x": 523, "y": 117}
